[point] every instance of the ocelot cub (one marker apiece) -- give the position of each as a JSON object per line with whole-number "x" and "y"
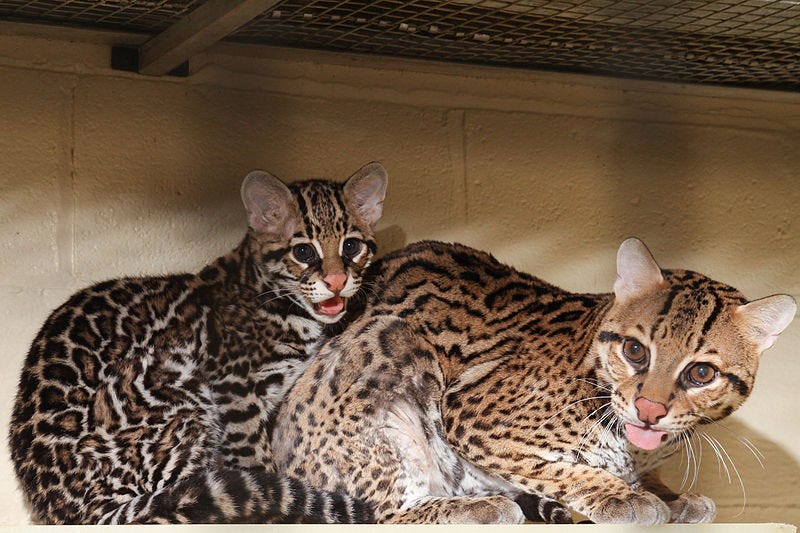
{"x": 466, "y": 383}
{"x": 151, "y": 400}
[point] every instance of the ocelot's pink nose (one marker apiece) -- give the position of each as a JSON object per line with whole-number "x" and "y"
{"x": 648, "y": 411}
{"x": 335, "y": 282}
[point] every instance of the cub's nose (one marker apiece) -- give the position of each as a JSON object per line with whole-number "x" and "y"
{"x": 648, "y": 411}
{"x": 335, "y": 282}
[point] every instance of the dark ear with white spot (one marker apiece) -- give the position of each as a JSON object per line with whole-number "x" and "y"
{"x": 365, "y": 190}
{"x": 271, "y": 207}
{"x": 637, "y": 271}
{"x": 763, "y": 320}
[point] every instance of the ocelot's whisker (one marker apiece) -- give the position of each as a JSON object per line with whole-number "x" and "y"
{"x": 279, "y": 295}
{"x": 720, "y": 461}
{"x": 372, "y": 291}
{"x": 595, "y": 383}
{"x": 684, "y": 451}
{"x": 616, "y": 424}
{"x": 723, "y": 457}
{"x": 598, "y": 422}
{"x": 607, "y": 404}
{"x": 370, "y": 286}
{"x": 718, "y": 444}
{"x": 691, "y": 463}
{"x": 602, "y": 397}
{"x": 680, "y": 445}
{"x": 608, "y": 415}
{"x": 747, "y": 443}
{"x": 760, "y": 457}
{"x": 699, "y": 454}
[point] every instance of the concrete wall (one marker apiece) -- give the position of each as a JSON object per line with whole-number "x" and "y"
{"x": 105, "y": 173}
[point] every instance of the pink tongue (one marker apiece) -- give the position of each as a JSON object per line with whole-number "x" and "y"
{"x": 332, "y": 306}
{"x": 644, "y": 438}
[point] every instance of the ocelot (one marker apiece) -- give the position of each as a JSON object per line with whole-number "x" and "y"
{"x": 467, "y": 384}
{"x": 151, "y": 400}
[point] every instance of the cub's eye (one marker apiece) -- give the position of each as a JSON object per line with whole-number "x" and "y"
{"x": 351, "y": 247}
{"x": 305, "y": 253}
{"x": 700, "y": 374}
{"x": 634, "y": 352}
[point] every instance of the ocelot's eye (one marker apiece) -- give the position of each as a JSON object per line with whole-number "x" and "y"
{"x": 634, "y": 352}
{"x": 699, "y": 374}
{"x": 351, "y": 247}
{"x": 305, "y": 253}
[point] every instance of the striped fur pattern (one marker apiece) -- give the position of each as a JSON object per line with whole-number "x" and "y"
{"x": 151, "y": 400}
{"x": 467, "y": 384}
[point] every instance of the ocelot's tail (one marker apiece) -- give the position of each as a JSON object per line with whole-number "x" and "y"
{"x": 239, "y": 496}
{"x": 541, "y": 509}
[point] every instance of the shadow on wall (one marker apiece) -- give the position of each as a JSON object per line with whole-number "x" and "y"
{"x": 749, "y": 478}
{"x": 389, "y": 239}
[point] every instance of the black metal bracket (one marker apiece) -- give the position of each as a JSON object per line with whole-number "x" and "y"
{"x": 126, "y": 58}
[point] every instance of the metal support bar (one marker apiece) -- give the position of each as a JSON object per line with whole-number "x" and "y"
{"x": 197, "y": 31}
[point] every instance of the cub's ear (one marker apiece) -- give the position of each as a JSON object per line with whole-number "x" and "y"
{"x": 763, "y": 320}
{"x": 271, "y": 207}
{"x": 365, "y": 190}
{"x": 637, "y": 271}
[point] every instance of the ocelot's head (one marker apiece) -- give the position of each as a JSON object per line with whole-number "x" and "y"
{"x": 678, "y": 349}
{"x": 313, "y": 239}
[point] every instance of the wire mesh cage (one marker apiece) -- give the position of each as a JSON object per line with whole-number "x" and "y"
{"x": 753, "y": 43}
{"x": 131, "y": 15}
{"x": 739, "y": 42}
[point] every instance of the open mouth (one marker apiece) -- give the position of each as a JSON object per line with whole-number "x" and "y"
{"x": 644, "y": 437}
{"x": 330, "y": 307}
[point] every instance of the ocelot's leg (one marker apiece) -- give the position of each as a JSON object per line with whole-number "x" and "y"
{"x": 246, "y": 438}
{"x": 542, "y": 509}
{"x": 166, "y": 468}
{"x": 686, "y": 508}
{"x": 601, "y": 496}
{"x": 461, "y": 510}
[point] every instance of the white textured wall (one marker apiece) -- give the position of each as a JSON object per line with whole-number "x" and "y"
{"x": 104, "y": 174}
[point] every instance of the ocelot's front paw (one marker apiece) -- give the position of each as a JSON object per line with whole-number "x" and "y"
{"x": 493, "y": 510}
{"x": 633, "y": 508}
{"x": 543, "y": 509}
{"x": 692, "y": 508}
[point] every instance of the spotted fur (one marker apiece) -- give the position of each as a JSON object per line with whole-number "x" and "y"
{"x": 151, "y": 400}
{"x": 466, "y": 384}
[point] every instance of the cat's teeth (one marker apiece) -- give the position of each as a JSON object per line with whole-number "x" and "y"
{"x": 331, "y": 306}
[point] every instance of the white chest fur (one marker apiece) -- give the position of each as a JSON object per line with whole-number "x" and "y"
{"x": 429, "y": 466}
{"x": 618, "y": 456}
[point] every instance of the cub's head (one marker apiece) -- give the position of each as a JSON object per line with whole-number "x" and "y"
{"x": 678, "y": 349}
{"x": 312, "y": 240}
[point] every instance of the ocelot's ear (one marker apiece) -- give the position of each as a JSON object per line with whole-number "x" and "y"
{"x": 365, "y": 190}
{"x": 637, "y": 271}
{"x": 271, "y": 207}
{"x": 763, "y": 320}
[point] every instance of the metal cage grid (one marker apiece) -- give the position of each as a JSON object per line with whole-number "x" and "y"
{"x": 737, "y": 42}
{"x": 148, "y": 16}
{"x": 752, "y": 43}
